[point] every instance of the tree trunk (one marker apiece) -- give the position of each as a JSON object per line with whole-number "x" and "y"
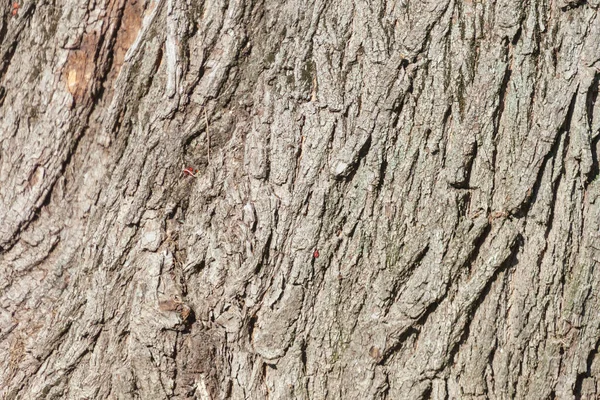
{"x": 381, "y": 200}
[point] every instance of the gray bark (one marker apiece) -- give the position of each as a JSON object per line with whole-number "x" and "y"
{"x": 441, "y": 156}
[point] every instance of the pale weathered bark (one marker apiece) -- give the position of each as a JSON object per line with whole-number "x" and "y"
{"x": 440, "y": 155}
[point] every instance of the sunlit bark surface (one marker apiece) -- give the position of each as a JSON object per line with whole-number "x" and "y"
{"x": 381, "y": 199}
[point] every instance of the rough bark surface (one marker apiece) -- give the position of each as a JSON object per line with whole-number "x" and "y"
{"x": 440, "y": 155}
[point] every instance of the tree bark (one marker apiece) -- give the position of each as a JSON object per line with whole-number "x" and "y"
{"x": 381, "y": 200}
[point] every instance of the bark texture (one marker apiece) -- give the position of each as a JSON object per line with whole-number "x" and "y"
{"x": 440, "y": 155}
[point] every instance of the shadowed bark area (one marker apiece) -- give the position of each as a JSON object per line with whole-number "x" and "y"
{"x": 441, "y": 157}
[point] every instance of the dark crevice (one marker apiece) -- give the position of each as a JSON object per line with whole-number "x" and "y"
{"x": 3, "y": 30}
{"x": 251, "y": 325}
{"x": 104, "y": 56}
{"x": 517, "y": 35}
{"x": 427, "y": 393}
{"x": 353, "y": 168}
{"x": 555, "y": 185}
{"x": 410, "y": 88}
{"x": 303, "y": 356}
{"x": 590, "y": 100}
{"x": 47, "y": 197}
{"x": 464, "y": 203}
{"x": 401, "y": 278}
{"x": 395, "y": 112}
{"x": 477, "y": 245}
{"x": 428, "y": 29}
{"x": 8, "y": 54}
{"x": 364, "y": 150}
{"x": 382, "y": 170}
{"x": 190, "y": 321}
{"x": 266, "y": 255}
{"x": 410, "y": 331}
{"x": 441, "y": 143}
{"x": 573, "y": 4}
{"x": 7, "y": 57}
{"x": 595, "y": 169}
{"x": 446, "y": 116}
{"x": 298, "y": 152}
{"x": 468, "y": 167}
{"x": 497, "y": 116}
{"x": 187, "y": 140}
{"x": 587, "y": 374}
{"x": 490, "y": 363}
{"x": 511, "y": 261}
{"x": 532, "y": 195}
